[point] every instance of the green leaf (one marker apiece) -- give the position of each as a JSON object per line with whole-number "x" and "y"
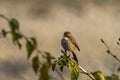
{"x": 4, "y": 33}
{"x": 34, "y": 41}
{"x": 65, "y": 60}
{"x": 98, "y": 75}
{"x": 15, "y": 37}
{"x": 19, "y": 44}
{"x": 35, "y": 64}
{"x": 48, "y": 56}
{"x": 14, "y": 24}
{"x": 53, "y": 66}
{"x": 30, "y": 48}
{"x": 45, "y": 71}
{"x": 74, "y": 69}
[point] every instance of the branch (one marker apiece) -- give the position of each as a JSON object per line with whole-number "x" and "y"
{"x": 27, "y": 38}
{"x": 85, "y": 72}
{"x": 109, "y": 51}
{"x": 2, "y": 16}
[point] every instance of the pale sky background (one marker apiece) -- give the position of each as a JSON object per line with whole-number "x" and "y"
{"x": 47, "y": 20}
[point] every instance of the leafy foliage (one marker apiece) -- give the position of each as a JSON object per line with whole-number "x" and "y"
{"x": 98, "y": 75}
{"x": 4, "y": 33}
{"x": 44, "y": 70}
{"x": 15, "y": 38}
{"x": 67, "y": 61}
{"x": 35, "y": 64}
{"x": 44, "y": 67}
{"x": 74, "y": 69}
{"x": 14, "y": 24}
{"x": 53, "y": 66}
{"x": 30, "y": 46}
{"x": 48, "y": 57}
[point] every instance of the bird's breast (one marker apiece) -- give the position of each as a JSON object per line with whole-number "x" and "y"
{"x": 67, "y": 44}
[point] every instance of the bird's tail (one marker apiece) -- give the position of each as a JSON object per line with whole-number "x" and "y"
{"x": 75, "y": 58}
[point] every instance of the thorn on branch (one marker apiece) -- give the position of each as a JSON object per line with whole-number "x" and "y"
{"x": 108, "y": 51}
{"x": 118, "y": 43}
{"x": 102, "y": 40}
{"x": 115, "y": 56}
{"x": 119, "y": 39}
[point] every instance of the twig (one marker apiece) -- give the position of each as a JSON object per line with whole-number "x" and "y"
{"x": 81, "y": 70}
{"x": 2, "y": 16}
{"x": 26, "y": 38}
{"x": 109, "y": 51}
{"x": 3, "y": 33}
{"x": 40, "y": 52}
{"x": 85, "y": 72}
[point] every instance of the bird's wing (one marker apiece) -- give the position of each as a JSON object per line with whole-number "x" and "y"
{"x": 74, "y": 42}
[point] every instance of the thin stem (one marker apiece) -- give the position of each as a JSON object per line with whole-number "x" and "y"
{"x": 23, "y": 36}
{"x": 26, "y": 38}
{"x": 109, "y": 51}
{"x": 2, "y": 16}
{"x": 85, "y": 72}
{"x": 57, "y": 61}
{"x": 39, "y": 52}
{"x": 7, "y": 32}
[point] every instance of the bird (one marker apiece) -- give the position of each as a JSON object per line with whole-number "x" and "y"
{"x": 69, "y": 43}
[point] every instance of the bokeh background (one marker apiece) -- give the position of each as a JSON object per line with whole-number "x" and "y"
{"x": 47, "y": 20}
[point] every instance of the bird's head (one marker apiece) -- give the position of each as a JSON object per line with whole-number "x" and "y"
{"x": 67, "y": 34}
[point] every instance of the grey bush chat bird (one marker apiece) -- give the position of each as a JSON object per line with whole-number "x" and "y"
{"x": 69, "y": 44}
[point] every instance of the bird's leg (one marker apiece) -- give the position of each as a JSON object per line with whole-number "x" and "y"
{"x": 64, "y": 52}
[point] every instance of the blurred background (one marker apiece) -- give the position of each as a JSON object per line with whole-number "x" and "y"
{"x": 47, "y": 20}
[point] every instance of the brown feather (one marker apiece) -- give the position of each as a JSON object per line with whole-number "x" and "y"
{"x": 74, "y": 42}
